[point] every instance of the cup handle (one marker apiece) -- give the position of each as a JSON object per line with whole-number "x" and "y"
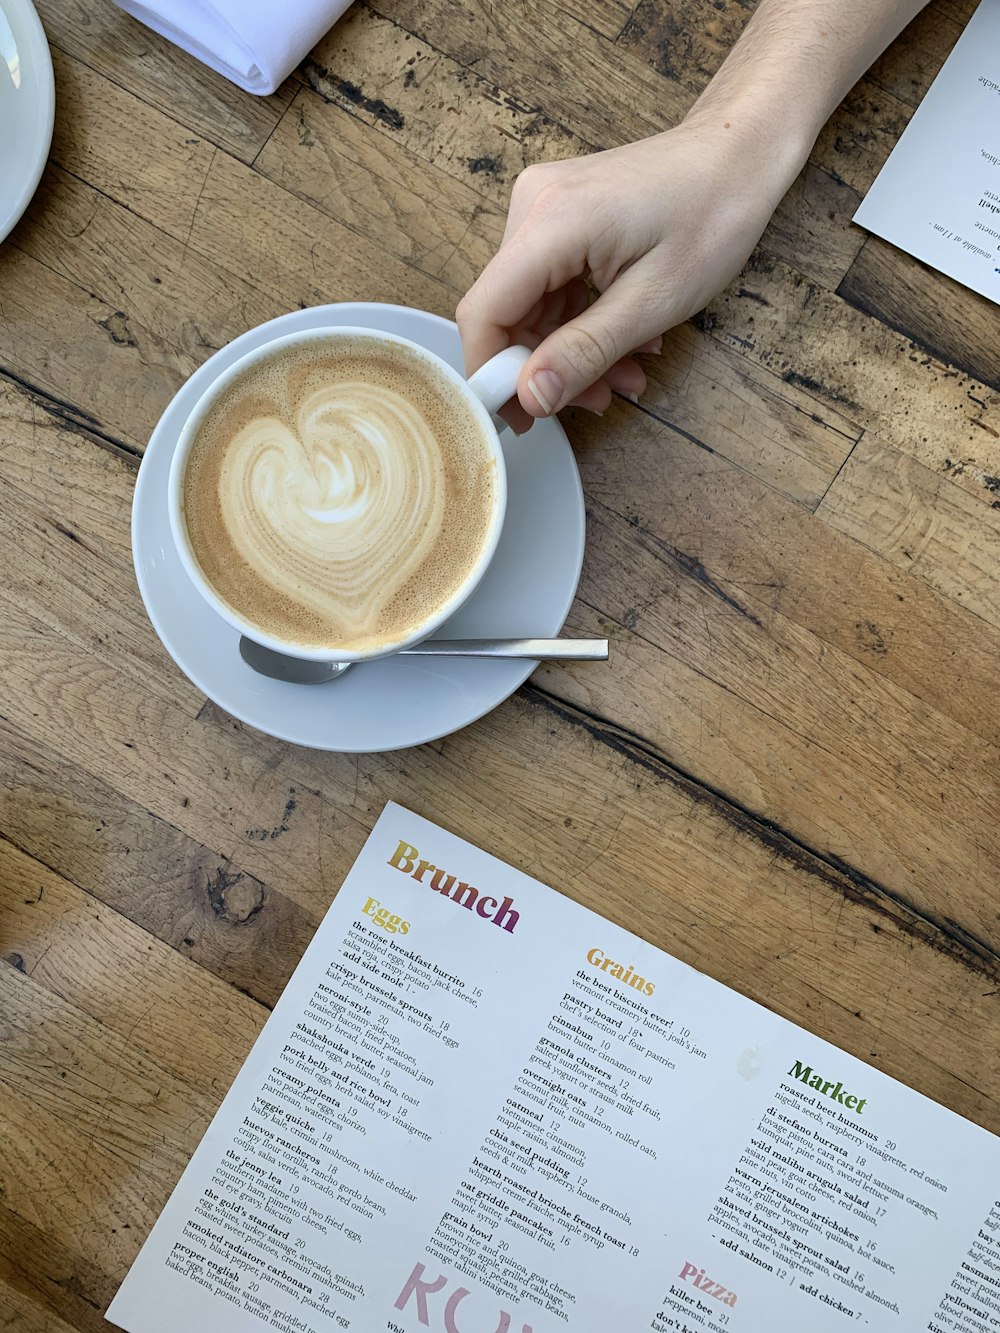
{"x": 495, "y": 382}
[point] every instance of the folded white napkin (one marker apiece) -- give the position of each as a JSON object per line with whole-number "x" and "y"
{"x": 256, "y": 43}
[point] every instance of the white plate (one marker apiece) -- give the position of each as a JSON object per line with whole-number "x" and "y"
{"x": 398, "y": 701}
{"x": 27, "y": 107}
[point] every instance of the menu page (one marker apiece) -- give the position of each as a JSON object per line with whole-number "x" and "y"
{"x": 479, "y": 1107}
{"x": 938, "y": 195}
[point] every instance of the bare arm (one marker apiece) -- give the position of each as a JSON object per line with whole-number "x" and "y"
{"x": 794, "y": 63}
{"x": 662, "y": 225}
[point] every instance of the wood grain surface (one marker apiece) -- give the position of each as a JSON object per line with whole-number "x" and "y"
{"x": 787, "y": 776}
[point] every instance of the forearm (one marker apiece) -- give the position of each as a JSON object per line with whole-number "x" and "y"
{"x": 660, "y": 226}
{"x": 792, "y": 66}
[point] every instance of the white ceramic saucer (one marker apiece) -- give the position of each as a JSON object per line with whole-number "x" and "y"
{"x": 27, "y": 107}
{"x": 399, "y": 701}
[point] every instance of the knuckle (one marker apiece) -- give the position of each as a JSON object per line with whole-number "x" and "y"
{"x": 591, "y": 350}
{"x": 531, "y": 178}
{"x": 474, "y": 305}
{"x": 543, "y": 188}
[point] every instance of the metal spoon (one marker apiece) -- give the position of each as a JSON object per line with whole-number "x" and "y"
{"x": 299, "y": 672}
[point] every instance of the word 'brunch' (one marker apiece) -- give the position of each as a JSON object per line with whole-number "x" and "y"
{"x": 407, "y": 859}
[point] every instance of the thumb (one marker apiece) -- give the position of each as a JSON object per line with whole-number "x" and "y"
{"x": 583, "y": 350}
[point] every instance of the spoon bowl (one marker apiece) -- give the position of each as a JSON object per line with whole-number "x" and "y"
{"x": 266, "y": 662}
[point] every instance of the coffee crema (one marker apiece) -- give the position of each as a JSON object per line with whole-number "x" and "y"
{"x": 338, "y": 494}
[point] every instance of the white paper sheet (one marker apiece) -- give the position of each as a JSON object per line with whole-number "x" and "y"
{"x": 479, "y": 1106}
{"x": 938, "y": 195}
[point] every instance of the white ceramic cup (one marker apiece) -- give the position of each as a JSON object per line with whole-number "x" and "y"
{"x": 484, "y": 393}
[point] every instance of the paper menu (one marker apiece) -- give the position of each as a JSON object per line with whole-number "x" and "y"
{"x": 938, "y": 195}
{"x": 480, "y": 1107}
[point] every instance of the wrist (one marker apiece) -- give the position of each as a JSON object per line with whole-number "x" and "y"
{"x": 767, "y": 143}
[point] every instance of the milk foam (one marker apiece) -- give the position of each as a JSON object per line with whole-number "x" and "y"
{"x": 339, "y": 494}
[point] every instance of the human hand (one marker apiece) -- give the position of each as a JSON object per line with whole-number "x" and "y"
{"x": 659, "y": 226}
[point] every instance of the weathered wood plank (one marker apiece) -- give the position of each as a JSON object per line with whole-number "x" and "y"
{"x": 129, "y": 54}
{"x": 40, "y": 1270}
{"x": 811, "y": 229}
{"x": 851, "y": 361}
{"x": 136, "y": 312}
{"x": 107, "y": 393}
{"x": 160, "y": 164}
{"x": 167, "y": 1008}
{"x": 372, "y": 183}
{"x": 410, "y": 93}
{"x": 216, "y": 783}
{"x": 21, "y": 1314}
{"x": 861, "y": 134}
{"x": 725, "y": 715}
{"x": 911, "y": 64}
{"x": 772, "y": 557}
{"x": 954, "y": 325}
{"x": 759, "y": 709}
{"x": 147, "y": 871}
{"x": 106, "y": 1129}
{"x": 222, "y": 210}
{"x": 613, "y": 94}
{"x": 685, "y": 41}
{"x": 922, "y": 522}
{"x": 724, "y": 402}
{"x": 58, "y": 485}
{"x": 604, "y": 16}
{"x": 66, "y": 1062}
{"x": 959, "y": 11}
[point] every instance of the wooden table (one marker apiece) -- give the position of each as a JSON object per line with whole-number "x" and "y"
{"x": 788, "y": 775}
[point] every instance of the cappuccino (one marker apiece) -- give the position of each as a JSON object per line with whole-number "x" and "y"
{"x": 339, "y": 493}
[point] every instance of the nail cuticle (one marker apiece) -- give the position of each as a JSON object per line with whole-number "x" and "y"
{"x": 546, "y": 389}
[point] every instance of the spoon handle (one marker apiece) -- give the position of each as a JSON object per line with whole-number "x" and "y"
{"x": 551, "y": 650}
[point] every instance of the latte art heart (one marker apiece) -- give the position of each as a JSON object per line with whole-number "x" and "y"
{"x": 339, "y": 497}
{"x": 338, "y": 510}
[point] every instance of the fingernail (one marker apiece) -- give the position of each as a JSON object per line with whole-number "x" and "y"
{"x": 633, "y": 398}
{"x": 657, "y": 345}
{"x": 546, "y": 388}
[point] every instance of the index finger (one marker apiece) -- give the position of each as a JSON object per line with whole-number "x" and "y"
{"x": 511, "y": 289}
